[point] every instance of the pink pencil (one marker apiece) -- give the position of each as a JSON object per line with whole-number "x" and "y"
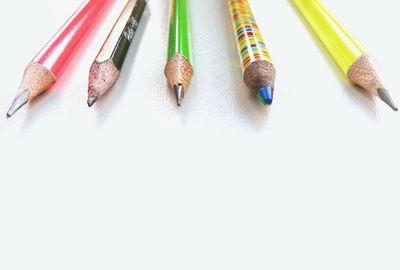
{"x": 42, "y": 72}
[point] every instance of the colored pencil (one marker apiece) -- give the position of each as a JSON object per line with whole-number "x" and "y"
{"x": 179, "y": 70}
{"x": 106, "y": 69}
{"x": 42, "y": 72}
{"x": 258, "y": 70}
{"x": 349, "y": 54}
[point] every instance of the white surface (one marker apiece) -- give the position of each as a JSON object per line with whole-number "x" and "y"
{"x": 136, "y": 183}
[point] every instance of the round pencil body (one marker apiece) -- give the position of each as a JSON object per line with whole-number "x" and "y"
{"x": 106, "y": 69}
{"x": 258, "y": 70}
{"x": 59, "y": 49}
{"x": 349, "y": 54}
{"x": 41, "y": 74}
{"x": 179, "y": 70}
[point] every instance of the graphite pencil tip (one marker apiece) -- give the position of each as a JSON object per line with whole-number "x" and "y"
{"x": 18, "y": 103}
{"x": 91, "y": 101}
{"x": 179, "y": 93}
{"x": 385, "y": 97}
{"x": 265, "y": 95}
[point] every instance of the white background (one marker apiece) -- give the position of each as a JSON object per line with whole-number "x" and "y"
{"x": 221, "y": 183}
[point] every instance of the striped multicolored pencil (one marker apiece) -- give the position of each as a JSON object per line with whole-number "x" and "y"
{"x": 349, "y": 54}
{"x": 258, "y": 70}
{"x": 179, "y": 70}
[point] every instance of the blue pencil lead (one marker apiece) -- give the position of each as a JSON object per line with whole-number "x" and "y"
{"x": 265, "y": 95}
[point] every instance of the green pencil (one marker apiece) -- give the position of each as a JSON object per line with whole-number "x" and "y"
{"x": 179, "y": 70}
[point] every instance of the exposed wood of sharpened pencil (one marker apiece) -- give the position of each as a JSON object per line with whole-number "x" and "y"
{"x": 364, "y": 73}
{"x": 178, "y": 71}
{"x": 260, "y": 73}
{"x": 105, "y": 70}
{"x": 36, "y": 80}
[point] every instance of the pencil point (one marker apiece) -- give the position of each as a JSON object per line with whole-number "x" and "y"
{"x": 265, "y": 95}
{"x": 91, "y": 101}
{"x": 18, "y": 103}
{"x": 179, "y": 93}
{"x": 385, "y": 97}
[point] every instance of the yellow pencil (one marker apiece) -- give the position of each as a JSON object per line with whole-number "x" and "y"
{"x": 349, "y": 54}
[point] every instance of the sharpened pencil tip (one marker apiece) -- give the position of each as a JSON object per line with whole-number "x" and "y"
{"x": 385, "y": 97}
{"x": 18, "y": 103}
{"x": 265, "y": 95}
{"x": 91, "y": 101}
{"x": 179, "y": 94}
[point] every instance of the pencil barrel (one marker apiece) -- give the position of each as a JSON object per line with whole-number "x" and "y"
{"x": 117, "y": 44}
{"x": 58, "y": 51}
{"x": 251, "y": 43}
{"x": 344, "y": 48}
{"x": 127, "y": 35}
{"x": 179, "y": 30}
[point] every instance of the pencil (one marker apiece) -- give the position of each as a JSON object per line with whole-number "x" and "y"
{"x": 349, "y": 54}
{"x": 179, "y": 70}
{"x": 258, "y": 70}
{"x": 106, "y": 69}
{"x": 42, "y": 72}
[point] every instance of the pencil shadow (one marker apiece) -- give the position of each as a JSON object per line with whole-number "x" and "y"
{"x": 360, "y": 97}
{"x": 105, "y": 105}
{"x": 37, "y": 107}
{"x": 246, "y": 101}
